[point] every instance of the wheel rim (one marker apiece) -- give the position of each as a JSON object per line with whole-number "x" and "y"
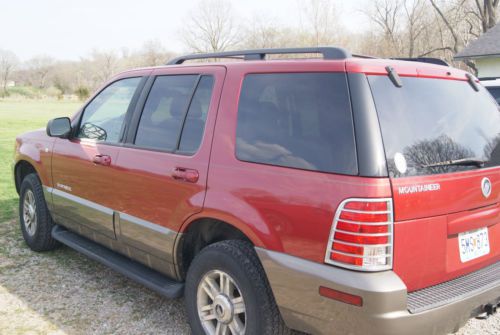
{"x": 29, "y": 213}
{"x": 221, "y": 307}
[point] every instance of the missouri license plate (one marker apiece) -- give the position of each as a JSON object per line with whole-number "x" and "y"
{"x": 473, "y": 244}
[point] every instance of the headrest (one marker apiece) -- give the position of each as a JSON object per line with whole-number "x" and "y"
{"x": 178, "y": 107}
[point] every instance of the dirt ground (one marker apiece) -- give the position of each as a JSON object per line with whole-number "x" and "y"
{"x": 62, "y": 292}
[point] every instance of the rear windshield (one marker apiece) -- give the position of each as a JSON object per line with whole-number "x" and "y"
{"x": 434, "y": 126}
{"x": 297, "y": 120}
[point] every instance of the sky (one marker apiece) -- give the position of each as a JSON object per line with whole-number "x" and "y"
{"x": 69, "y": 29}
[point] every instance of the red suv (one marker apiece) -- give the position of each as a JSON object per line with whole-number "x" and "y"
{"x": 343, "y": 194}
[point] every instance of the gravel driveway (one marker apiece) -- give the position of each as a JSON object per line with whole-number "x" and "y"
{"x": 63, "y": 292}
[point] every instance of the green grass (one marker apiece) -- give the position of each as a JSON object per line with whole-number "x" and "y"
{"x": 17, "y": 117}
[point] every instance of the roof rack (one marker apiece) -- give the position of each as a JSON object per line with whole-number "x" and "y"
{"x": 260, "y": 54}
{"x": 429, "y": 60}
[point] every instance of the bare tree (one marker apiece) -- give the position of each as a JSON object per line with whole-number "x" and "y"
{"x": 211, "y": 27}
{"x": 428, "y": 152}
{"x": 416, "y": 14}
{"x": 454, "y": 16}
{"x": 153, "y": 53}
{"x": 386, "y": 15}
{"x": 104, "y": 64}
{"x": 487, "y": 13}
{"x": 264, "y": 32}
{"x": 8, "y": 61}
{"x": 322, "y": 24}
{"x": 40, "y": 68}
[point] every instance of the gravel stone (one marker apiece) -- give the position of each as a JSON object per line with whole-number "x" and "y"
{"x": 62, "y": 292}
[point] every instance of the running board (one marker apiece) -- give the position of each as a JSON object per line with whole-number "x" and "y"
{"x": 134, "y": 270}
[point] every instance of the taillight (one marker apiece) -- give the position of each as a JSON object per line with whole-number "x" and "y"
{"x": 361, "y": 237}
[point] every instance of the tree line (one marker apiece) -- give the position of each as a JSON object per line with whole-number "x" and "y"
{"x": 396, "y": 28}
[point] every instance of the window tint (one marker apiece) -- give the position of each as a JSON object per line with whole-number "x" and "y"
{"x": 495, "y": 92}
{"x": 164, "y": 112}
{"x": 103, "y": 118}
{"x": 300, "y": 120}
{"x": 432, "y": 121}
{"x": 196, "y": 117}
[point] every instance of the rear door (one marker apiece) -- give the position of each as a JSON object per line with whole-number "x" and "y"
{"x": 84, "y": 166}
{"x": 441, "y": 139}
{"x": 164, "y": 165}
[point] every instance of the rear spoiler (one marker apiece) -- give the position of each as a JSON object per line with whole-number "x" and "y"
{"x": 429, "y": 60}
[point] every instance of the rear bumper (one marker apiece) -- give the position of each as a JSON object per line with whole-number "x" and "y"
{"x": 295, "y": 283}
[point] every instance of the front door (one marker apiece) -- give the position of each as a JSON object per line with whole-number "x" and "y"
{"x": 84, "y": 166}
{"x": 164, "y": 165}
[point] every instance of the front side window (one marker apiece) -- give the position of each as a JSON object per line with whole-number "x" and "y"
{"x": 298, "y": 120}
{"x": 103, "y": 118}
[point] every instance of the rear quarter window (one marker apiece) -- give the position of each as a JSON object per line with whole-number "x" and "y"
{"x": 297, "y": 120}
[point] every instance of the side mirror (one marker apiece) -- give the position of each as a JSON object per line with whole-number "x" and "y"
{"x": 59, "y": 127}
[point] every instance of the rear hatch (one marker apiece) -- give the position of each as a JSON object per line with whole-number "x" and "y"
{"x": 441, "y": 139}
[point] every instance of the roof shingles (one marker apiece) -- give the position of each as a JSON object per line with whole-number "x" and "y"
{"x": 487, "y": 44}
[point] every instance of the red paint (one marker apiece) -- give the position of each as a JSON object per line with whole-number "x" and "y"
{"x": 282, "y": 209}
{"x": 164, "y": 198}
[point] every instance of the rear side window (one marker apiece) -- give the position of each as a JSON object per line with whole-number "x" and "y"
{"x": 298, "y": 120}
{"x": 174, "y": 115}
{"x": 196, "y": 117}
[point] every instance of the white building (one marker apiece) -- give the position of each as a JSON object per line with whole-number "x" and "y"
{"x": 485, "y": 52}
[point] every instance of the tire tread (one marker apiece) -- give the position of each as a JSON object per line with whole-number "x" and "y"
{"x": 244, "y": 253}
{"x": 42, "y": 240}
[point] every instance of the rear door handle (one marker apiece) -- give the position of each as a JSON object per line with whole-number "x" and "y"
{"x": 189, "y": 175}
{"x": 102, "y": 160}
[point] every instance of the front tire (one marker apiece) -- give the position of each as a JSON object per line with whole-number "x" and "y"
{"x": 34, "y": 217}
{"x": 227, "y": 292}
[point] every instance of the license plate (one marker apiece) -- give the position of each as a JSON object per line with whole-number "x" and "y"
{"x": 473, "y": 244}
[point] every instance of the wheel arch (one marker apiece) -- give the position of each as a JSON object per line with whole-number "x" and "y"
{"x": 203, "y": 230}
{"x": 23, "y": 168}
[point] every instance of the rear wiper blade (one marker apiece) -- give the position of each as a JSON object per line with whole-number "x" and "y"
{"x": 462, "y": 162}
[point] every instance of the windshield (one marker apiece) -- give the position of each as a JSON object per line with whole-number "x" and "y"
{"x": 434, "y": 126}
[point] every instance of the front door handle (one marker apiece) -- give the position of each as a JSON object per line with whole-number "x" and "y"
{"x": 184, "y": 174}
{"x": 102, "y": 160}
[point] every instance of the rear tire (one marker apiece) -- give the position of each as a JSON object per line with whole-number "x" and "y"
{"x": 34, "y": 217}
{"x": 245, "y": 303}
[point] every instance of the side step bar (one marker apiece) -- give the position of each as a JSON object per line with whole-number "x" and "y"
{"x": 134, "y": 270}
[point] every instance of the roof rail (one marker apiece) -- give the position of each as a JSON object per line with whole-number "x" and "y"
{"x": 429, "y": 60}
{"x": 260, "y": 54}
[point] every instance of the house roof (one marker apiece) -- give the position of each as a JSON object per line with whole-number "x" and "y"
{"x": 487, "y": 44}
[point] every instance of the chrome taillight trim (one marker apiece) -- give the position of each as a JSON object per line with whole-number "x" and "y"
{"x": 390, "y": 245}
{"x": 357, "y": 256}
{"x": 359, "y": 211}
{"x": 360, "y": 245}
{"x": 384, "y": 223}
{"x": 364, "y": 234}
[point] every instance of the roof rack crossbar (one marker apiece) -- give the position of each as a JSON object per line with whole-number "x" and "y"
{"x": 260, "y": 54}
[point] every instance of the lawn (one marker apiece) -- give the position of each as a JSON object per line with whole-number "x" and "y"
{"x": 17, "y": 117}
